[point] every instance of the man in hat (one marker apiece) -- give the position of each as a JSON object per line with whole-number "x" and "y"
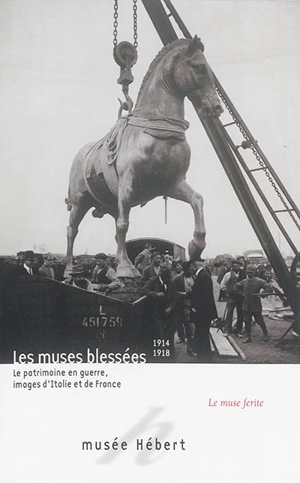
{"x": 168, "y": 259}
{"x": 28, "y": 267}
{"x": 163, "y": 295}
{"x": 143, "y": 259}
{"x": 104, "y": 276}
{"x": 184, "y": 283}
{"x": 176, "y": 268}
{"x": 250, "y": 288}
{"x": 77, "y": 279}
{"x": 203, "y": 309}
{"x": 153, "y": 270}
{"x": 46, "y": 269}
{"x": 234, "y": 300}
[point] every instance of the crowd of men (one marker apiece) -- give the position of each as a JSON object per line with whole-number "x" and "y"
{"x": 103, "y": 277}
{"x": 243, "y": 290}
{"x": 180, "y": 292}
{"x": 183, "y": 299}
{"x": 29, "y": 263}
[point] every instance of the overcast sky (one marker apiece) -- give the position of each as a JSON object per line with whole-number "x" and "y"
{"x": 58, "y": 91}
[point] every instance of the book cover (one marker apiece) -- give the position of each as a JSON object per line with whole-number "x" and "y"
{"x": 86, "y": 391}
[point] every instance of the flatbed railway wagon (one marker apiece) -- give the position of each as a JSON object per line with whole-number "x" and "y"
{"x": 40, "y": 315}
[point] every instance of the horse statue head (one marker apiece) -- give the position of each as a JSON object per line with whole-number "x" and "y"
{"x": 182, "y": 70}
{"x": 194, "y": 79}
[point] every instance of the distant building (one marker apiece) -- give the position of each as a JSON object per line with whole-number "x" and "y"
{"x": 255, "y": 257}
{"x": 136, "y": 245}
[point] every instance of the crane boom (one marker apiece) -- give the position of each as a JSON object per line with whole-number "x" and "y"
{"x": 231, "y": 160}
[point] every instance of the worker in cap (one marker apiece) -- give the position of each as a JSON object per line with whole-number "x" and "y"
{"x": 143, "y": 259}
{"x": 104, "y": 277}
{"x": 153, "y": 270}
{"x": 77, "y": 278}
{"x": 250, "y": 288}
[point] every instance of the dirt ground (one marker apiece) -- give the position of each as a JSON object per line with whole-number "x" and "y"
{"x": 275, "y": 351}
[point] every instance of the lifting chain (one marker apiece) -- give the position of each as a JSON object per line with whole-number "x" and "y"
{"x": 125, "y": 55}
{"x": 115, "y": 24}
{"x": 135, "y": 35}
{"x": 249, "y": 144}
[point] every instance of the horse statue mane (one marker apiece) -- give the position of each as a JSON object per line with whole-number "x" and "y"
{"x": 161, "y": 54}
{"x": 146, "y": 154}
{"x": 165, "y": 50}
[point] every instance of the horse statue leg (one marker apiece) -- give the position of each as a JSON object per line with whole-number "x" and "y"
{"x": 184, "y": 192}
{"x": 78, "y": 208}
{"x": 125, "y": 268}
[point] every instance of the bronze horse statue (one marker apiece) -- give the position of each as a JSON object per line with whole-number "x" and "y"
{"x": 146, "y": 154}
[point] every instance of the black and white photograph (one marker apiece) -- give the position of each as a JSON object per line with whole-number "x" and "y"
{"x": 149, "y": 250}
